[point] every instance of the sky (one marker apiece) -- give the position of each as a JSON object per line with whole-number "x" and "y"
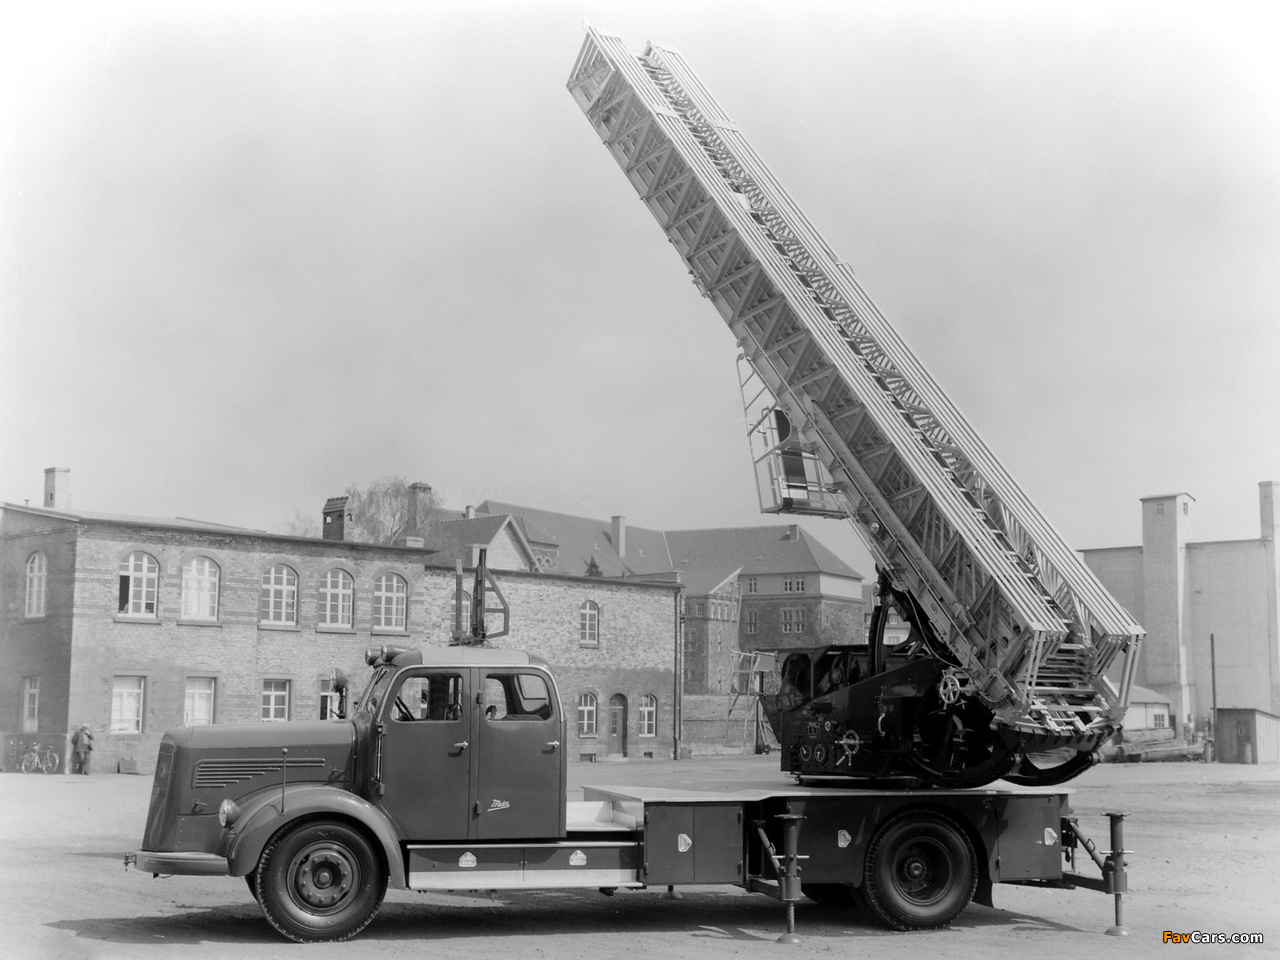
{"x": 253, "y": 253}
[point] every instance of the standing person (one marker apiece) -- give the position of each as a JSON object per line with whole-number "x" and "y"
{"x": 82, "y": 748}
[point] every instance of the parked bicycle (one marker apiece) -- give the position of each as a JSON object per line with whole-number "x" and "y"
{"x": 38, "y": 756}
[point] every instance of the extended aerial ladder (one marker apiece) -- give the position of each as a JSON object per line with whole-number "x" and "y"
{"x": 1016, "y": 647}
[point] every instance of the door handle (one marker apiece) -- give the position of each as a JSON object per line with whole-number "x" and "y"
{"x": 461, "y": 746}
{"x": 553, "y": 744}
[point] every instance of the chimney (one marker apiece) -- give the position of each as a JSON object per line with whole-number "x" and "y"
{"x": 618, "y": 533}
{"x": 419, "y": 504}
{"x": 335, "y": 518}
{"x": 468, "y": 512}
{"x": 57, "y": 488}
{"x": 793, "y": 532}
{"x": 1268, "y": 501}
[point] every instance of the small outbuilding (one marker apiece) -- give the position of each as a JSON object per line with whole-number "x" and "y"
{"x": 1246, "y": 736}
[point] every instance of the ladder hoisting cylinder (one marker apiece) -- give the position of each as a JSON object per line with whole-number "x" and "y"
{"x": 1018, "y": 662}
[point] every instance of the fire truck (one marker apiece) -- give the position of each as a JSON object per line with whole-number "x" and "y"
{"x": 447, "y": 772}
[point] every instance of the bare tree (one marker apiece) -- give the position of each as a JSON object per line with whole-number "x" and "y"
{"x": 382, "y": 511}
{"x": 388, "y": 509}
{"x": 301, "y": 525}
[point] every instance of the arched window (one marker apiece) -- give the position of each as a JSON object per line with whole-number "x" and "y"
{"x": 389, "y": 602}
{"x": 37, "y": 584}
{"x": 336, "y": 591}
{"x": 278, "y": 601}
{"x": 587, "y": 709}
{"x": 648, "y": 715}
{"x": 200, "y": 577}
{"x": 589, "y": 624}
{"x": 139, "y": 585}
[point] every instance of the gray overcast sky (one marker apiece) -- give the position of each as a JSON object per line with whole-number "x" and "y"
{"x": 252, "y": 253}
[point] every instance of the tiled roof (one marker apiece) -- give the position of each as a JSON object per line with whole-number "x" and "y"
{"x": 582, "y": 538}
{"x": 452, "y": 538}
{"x": 759, "y": 550}
{"x": 701, "y": 580}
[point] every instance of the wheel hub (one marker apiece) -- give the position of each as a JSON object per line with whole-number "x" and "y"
{"x": 323, "y": 876}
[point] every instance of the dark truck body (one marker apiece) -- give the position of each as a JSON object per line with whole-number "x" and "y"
{"x": 450, "y": 775}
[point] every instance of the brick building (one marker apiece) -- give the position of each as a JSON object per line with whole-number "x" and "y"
{"x": 1185, "y": 591}
{"x": 134, "y": 625}
{"x": 746, "y": 589}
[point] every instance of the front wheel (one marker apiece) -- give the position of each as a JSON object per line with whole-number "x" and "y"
{"x": 30, "y": 763}
{"x": 50, "y": 763}
{"x": 920, "y": 871}
{"x": 320, "y": 881}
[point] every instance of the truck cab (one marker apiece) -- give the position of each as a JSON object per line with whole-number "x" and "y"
{"x": 479, "y": 732}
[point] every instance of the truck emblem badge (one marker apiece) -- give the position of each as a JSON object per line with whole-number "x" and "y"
{"x": 1050, "y": 836}
{"x": 843, "y": 839}
{"x": 498, "y": 805}
{"x": 683, "y": 842}
{"x": 577, "y": 859}
{"x": 467, "y": 860}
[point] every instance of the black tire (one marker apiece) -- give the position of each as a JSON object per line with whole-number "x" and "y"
{"x": 320, "y": 881}
{"x": 920, "y": 871}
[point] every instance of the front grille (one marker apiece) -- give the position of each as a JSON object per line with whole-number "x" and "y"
{"x": 156, "y": 813}
{"x": 224, "y": 772}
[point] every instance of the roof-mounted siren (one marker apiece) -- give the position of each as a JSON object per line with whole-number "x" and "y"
{"x": 475, "y": 630}
{"x": 790, "y": 477}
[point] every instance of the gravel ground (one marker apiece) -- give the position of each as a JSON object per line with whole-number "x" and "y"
{"x": 1206, "y": 857}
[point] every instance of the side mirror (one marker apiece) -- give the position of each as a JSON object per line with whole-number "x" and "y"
{"x": 339, "y": 682}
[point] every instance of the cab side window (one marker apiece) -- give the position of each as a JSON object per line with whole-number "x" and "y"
{"x": 435, "y": 697}
{"x": 516, "y": 696}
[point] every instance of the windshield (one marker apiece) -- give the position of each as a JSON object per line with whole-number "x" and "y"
{"x": 375, "y": 690}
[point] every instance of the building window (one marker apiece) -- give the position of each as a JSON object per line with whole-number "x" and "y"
{"x": 30, "y": 704}
{"x": 1159, "y": 719}
{"x": 139, "y": 583}
{"x": 793, "y": 621}
{"x": 336, "y": 590}
{"x": 648, "y": 715}
{"x": 126, "y": 704}
{"x": 278, "y": 602}
{"x": 200, "y": 577}
{"x": 1159, "y": 508}
{"x": 587, "y": 715}
{"x": 37, "y": 584}
{"x": 389, "y": 602}
{"x": 751, "y": 621}
{"x": 751, "y": 585}
{"x": 793, "y": 585}
{"x": 275, "y": 700}
{"x": 699, "y": 609}
{"x": 462, "y": 612}
{"x": 197, "y": 705}
{"x": 589, "y": 624}
{"x": 328, "y": 700}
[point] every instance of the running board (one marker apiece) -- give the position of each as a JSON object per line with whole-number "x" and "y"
{"x": 563, "y": 865}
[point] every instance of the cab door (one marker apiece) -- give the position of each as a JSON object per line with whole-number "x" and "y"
{"x": 428, "y": 743}
{"x": 520, "y": 760}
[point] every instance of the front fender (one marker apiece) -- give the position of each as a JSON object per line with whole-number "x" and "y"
{"x": 261, "y": 817}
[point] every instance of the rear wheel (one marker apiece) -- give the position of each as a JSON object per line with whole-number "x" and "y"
{"x": 50, "y": 762}
{"x": 320, "y": 880}
{"x": 30, "y": 763}
{"x": 920, "y": 871}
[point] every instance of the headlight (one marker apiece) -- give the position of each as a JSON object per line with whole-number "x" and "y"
{"x": 228, "y": 813}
